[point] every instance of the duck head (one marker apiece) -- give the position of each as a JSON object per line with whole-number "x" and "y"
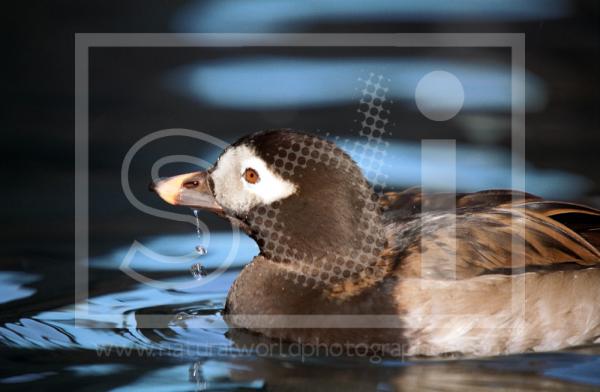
{"x": 299, "y": 196}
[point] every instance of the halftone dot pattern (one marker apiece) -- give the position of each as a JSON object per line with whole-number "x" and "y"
{"x": 359, "y": 260}
{"x": 370, "y": 151}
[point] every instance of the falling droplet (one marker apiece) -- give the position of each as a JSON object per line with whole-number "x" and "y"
{"x": 197, "y": 222}
{"x": 198, "y": 271}
{"x": 199, "y": 248}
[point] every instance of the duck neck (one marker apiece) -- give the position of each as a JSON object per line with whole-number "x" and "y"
{"x": 340, "y": 247}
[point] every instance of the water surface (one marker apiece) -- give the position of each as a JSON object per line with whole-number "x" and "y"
{"x": 133, "y": 336}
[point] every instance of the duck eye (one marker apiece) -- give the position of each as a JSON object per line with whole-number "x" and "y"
{"x": 251, "y": 176}
{"x": 190, "y": 184}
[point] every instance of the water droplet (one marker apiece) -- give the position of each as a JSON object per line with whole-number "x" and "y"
{"x": 198, "y": 271}
{"x": 181, "y": 316}
{"x": 197, "y": 222}
{"x": 180, "y": 319}
{"x": 199, "y": 249}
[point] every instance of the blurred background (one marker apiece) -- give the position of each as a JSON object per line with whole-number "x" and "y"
{"x": 230, "y": 92}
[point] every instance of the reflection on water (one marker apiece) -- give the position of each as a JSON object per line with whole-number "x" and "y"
{"x": 27, "y": 377}
{"x": 147, "y": 338}
{"x": 272, "y": 15}
{"x": 272, "y": 82}
{"x": 12, "y": 285}
{"x": 477, "y": 168}
{"x": 208, "y": 375}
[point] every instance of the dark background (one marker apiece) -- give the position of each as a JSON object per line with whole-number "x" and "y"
{"x": 131, "y": 96}
{"x": 128, "y": 100}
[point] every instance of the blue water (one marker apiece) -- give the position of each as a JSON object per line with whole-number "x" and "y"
{"x": 272, "y": 15}
{"x": 140, "y": 337}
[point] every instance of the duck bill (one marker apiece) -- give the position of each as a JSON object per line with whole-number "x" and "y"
{"x": 190, "y": 190}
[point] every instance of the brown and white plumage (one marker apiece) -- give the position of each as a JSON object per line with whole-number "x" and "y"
{"x": 519, "y": 275}
{"x": 488, "y": 231}
{"x": 485, "y": 273}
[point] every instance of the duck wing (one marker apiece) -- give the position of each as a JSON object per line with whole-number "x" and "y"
{"x": 582, "y": 219}
{"x": 495, "y": 231}
{"x": 404, "y": 205}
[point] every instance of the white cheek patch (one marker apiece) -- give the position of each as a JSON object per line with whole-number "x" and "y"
{"x": 270, "y": 187}
{"x": 232, "y": 191}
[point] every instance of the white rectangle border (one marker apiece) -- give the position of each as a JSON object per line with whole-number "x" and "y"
{"x": 85, "y": 41}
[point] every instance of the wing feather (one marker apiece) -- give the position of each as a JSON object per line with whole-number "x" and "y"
{"x": 489, "y": 231}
